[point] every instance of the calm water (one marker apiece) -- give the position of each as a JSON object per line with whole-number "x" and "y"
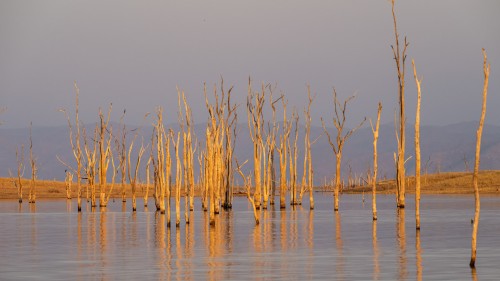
{"x": 54, "y": 242}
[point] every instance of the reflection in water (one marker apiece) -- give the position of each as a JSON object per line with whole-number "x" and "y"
{"x": 309, "y": 233}
{"x": 376, "y": 266}
{"x": 79, "y": 239}
{"x": 159, "y": 240}
{"x": 294, "y": 232}
{"x": 189, "y": 245}
{"x": 69, "y": 206}
{"x": 340, "y": 247}
{"x": 283, "y": 233}
{"x": 178, "y": 249}
{"x": 401, "y": 237}
{"x": 32, "y": 207}
{"x": 102, "y": 242}
{"x": 418, "y": 252}
{"x": 291, "y": 244}
{"x": 473, "y": 274}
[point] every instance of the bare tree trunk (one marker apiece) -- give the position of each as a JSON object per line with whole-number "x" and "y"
{"x": 148, "y": 175}
{"x": 75, "y": 146}
{"x": 105, "y": 154}
{"x": 255, "y": 103}
{"x": 375, "y": 162}
{"x": 178, "y": 182}
{"x": 69, "y": 181}
{"x": 248, "y": 183}
{"x": 400, "y": 58}
{"x": 133, "y": 178}
{"x": 417, "y": 149}
{"x": 337, "y": 147}
{"x": 20, "y": 173}
{"x": 283, "y": 152}
{"x": 122, "y": 154}
{"x": 486, "y": 69}
{"x": 338, "y": 161}
{"x": 34, "y": 169}
{"x": 293, "y": 163}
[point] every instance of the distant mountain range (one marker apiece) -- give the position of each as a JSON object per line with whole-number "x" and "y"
{"x": 444, "y": 148}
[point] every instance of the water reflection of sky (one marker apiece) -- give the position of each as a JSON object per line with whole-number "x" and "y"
{"x": 52, "y": 241}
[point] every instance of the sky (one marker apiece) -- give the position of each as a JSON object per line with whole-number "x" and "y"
{"x": 134, "y": 54}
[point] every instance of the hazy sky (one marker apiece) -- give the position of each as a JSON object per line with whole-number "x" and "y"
{"x": 135, "y": 53}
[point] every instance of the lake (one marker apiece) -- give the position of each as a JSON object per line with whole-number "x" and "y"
{"x": 51, "y": 241}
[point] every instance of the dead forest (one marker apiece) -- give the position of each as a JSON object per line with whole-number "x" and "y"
{"x": 173, "y": 164}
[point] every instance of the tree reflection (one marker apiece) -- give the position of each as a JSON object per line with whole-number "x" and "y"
{"x": 340, "y": 247}
{"x": 418, "y": 252}
{"x": 401, "y": 236}
{"x": 376, "y": 266}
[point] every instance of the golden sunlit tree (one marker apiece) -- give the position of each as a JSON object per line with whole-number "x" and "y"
{"x": 133, "y": 177}
{"x": 339, "y": 119}
{"x": 400, "y": 58}
{"x": 121, "y": 149}
{"x": 90, "y": 166}
{"x": 293, "y": 154}
{"x": 20, "y": 172}
{"x": 74, "y": 139}
{"x": 308, "y": 174}
{"x": 283, "y": 153}
{"x": 247, "y": 181}
{"x": 34, "y": 170}
{"x": 69, "y": 181}
{"x": 105, "y": 156}
{"x": 255, "y": 104}
{"x": 479, "y": 133}
{"x": 417, "y": 149}
{"x": 375, "y": 132}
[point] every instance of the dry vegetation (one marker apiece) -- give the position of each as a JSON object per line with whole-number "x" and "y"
{"x": 442, "y": 183}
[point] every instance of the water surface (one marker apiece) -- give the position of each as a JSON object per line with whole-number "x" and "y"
{"x": 51, "y": 241}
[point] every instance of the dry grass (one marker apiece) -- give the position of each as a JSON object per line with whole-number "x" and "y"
{"x": 52, "y": 189}
{"x": 443, "y": 183}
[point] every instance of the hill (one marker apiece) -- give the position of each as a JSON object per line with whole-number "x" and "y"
{"x": 444, "y": 149}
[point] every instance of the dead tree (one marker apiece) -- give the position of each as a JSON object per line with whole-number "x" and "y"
{"x": 230, "y": 121}
{"x": 34, "y": 170}
{"x": 178, "y": 180}
{"x": 76, "y": 147}
{"x": 308, "y": 174}
{"x": 375, "y": 161}
{"x": 486, "y": 69}
{"x": 293, "y": 161}
{"x": 69, "y": 181}
{"x": 105, "y": 155}
{"x": 400, "y": 58}
{"x": 148, "y": 177}
{"x": 417, "y": 148}
{"x": 337, "y": 147}
{"x": 20, "y": 172}
{"x": 248, "y": 183}
{"x": 161, "y": 166}
{"x": 272, "y": 148}
{"x": 121, "y": 147}
{"x": 133, "y": 178}
{"x": 283, "y": 153}
{"x": 255, "y": 103}
{"x": 90, "y": 166}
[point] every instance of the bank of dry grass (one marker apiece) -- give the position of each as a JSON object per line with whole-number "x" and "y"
{"x": 442, "y": 183}
{"x": 52, "y": 189}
